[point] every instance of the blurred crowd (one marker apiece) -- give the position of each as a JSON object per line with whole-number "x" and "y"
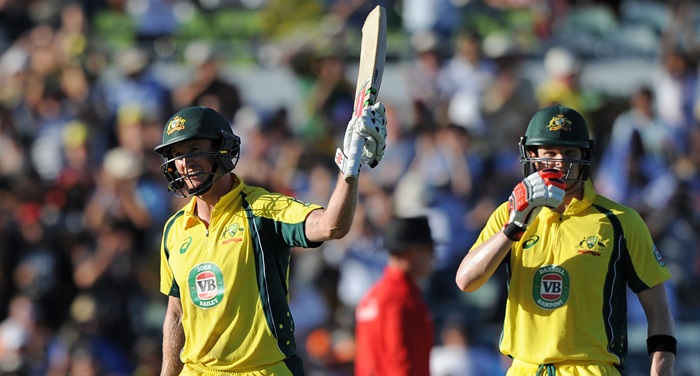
{"x": 83, "y": 200}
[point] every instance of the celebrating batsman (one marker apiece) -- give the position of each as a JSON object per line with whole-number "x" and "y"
{"x": 570, "y": 255}
{"x": 225, "y": 255}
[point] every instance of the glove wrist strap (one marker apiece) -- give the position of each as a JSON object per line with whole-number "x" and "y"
{"x": 513, "y": 231}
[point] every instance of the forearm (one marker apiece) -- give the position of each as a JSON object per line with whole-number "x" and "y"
{"x": 173, "y": 341}
{"x": 481, "y": 262}
{"x": 335, "y": 220}
{"x": 660, "y": 330}
{"x": 662, "y": 363}
{"x": 341, "y": 207}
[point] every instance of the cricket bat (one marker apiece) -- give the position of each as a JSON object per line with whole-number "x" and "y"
{"x": 369, "y": 78}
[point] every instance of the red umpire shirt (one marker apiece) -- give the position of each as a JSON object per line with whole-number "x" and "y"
{"x": 394, "y": 329}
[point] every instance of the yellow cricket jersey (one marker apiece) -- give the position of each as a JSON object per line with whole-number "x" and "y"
{"x": 232, "y": 279}
{"x": 567, "y": 279}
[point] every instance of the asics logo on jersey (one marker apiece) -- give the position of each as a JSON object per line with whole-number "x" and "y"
{"x": 531, "y": 241}
{"x": 185, "y": 245}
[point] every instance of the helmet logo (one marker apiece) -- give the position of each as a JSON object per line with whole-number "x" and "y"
{"x": 176, "y": 124}
{"x": 559, "y": 122}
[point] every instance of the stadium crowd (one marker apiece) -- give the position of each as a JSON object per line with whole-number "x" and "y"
{"x": 86, "y": 87}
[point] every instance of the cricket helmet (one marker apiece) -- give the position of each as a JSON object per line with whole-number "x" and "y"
{"x": 556, "y": 126}
{"x": 198, "y": 123}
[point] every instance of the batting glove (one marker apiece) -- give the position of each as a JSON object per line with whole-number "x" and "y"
{"x": 370, "y": 130}
{"x": 542, "y": 188}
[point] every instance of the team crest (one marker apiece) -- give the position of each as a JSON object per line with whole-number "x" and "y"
{"x": 206, "y": 284}
{"x": 232, "y": 233}
{"x": 176, "y": 124}
{"x": 233, "y": 229}
{"x": 559, "y": 122}
{"x": 550, "y": 287}
{"x": 591, "y": 245}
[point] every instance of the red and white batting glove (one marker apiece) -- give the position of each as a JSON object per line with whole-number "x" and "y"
{"x": 371, "y": 129}
{"x": 542, "y": 188}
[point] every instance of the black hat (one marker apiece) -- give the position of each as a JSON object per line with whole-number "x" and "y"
{"x": 403, "y": 233}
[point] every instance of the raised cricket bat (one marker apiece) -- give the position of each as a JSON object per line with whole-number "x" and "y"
{"x": 369, "y": 78}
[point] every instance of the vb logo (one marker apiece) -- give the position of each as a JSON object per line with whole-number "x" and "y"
{"x": 206, "y": 285}
{"x": 550, "y": 287}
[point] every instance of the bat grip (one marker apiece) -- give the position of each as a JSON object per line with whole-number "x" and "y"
{"x": 354, "y": 155}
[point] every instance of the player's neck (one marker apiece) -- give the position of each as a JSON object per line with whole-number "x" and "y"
{"x": 577, "y": 194}
{"x": 205, "y": 203}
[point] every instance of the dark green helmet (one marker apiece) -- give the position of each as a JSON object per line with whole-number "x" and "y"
{"x": 198, "y": 123}
{"x": 556, "y": 126}
{"x": 190, "y": 123}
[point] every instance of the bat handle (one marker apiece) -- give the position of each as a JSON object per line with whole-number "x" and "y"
{"x": 354, "y": 155}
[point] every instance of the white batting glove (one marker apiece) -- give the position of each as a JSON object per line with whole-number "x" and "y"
{"x": 350, "y": 167}
{"x": 372, "y": 128}
{"x": 368, "y": 133}
{"x": 541, "y": 188}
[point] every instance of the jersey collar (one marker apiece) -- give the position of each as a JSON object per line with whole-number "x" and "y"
{"x": 578, "y": 205}
{"x": 225, "y": 200}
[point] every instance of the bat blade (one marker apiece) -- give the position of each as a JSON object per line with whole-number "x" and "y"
{"x": 369, "y": 77}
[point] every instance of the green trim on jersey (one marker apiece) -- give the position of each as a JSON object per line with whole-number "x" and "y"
{"x": 233, "y": 279}
{"x": 175, "y": 289}
{"x": 615, "y": 313}
{"x": 273, "y": 291}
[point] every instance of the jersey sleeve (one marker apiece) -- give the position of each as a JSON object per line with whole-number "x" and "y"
{"x": 166, "y": 274}
{"x": 283, "y": 218}
{"x": 494, "y": 224}
{"x": 168, "y": 286}
{"x": 647, "y": 268}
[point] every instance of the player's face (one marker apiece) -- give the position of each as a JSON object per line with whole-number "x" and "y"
{"x": 563, "y": 158}
{"x": 193, "y": 160}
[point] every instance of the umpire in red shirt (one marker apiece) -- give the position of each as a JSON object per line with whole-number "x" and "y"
{"x": 394, "y": 329}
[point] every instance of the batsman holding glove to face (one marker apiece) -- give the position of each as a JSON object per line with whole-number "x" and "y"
{"x": 225, "y": 254}
{"x": 570, "y": 254}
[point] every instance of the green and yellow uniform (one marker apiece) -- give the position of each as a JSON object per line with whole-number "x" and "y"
{"x": 232, "y": 280}
{"x": 567, "y": 285}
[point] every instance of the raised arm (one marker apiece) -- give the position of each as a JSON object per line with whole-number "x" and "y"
{"x": 335, "y": 221}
